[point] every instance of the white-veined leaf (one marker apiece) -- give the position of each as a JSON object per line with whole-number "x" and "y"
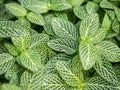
{"x": 35, "y": 18}
{"x": 106, "y": 71}
{"x": 36, "y": 6}
{"x": 63, "y": 45}
{"x": 6, "y": 61}
{"x": 37, "y": 39}
{"x": 89, "y": 26}
{"x": 117, "y": 12}
{"x": 116, "y": 26}
{"x": 76, "y": 2}
{"x": 64, "y": 28}
{"x": 111, "y": 13}
{"x": 11, "y": 29}
{"x": 16, "y": 9}
{"x": 9, "y": 87}
{"x": 31, "y": 81}
{"x": 88, "y": 55}
{"x": 106, "y": 4}
{"x": 91, "y": 7}
{"x": 67, "y": 75}
{"x": 53, "y": 82}
{"x": 80, "y": 12}
{"x": 109, "y": 50}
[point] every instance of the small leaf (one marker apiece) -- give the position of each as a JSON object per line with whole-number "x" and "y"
{"x": 116, "y": 26}
{"x": 35, "y": 18}
{"x": 16, "y": 9}
{"x": 88, "y": 55}
{"x": 36, "y": 6}
{"x": 109, "y": 50}
{"x": 91, "y": 7}
{"x": 63, "y": 45}
{"x": 106, "y": 4}
{"x": 76, "y": 2}
{"x": 64, "y": 28}
{"x": 89, "y": 26}
{"x": 9, "y": 87}
{"x": 117, "y": 12}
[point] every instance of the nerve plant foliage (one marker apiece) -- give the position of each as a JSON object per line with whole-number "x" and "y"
{"x": 59, "y": 45}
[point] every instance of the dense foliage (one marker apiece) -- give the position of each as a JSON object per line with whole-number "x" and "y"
{"x": 59, "y": 45}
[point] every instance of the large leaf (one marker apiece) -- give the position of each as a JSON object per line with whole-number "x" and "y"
{"x": 35, "y": 18}
{"x": 97, "y": 83}
{"x": 6, "y": 61}
{"x": 10, "y": 29}
{"x": 64, "y": 28}
{"x": 9, "y": 87}
{"x": 16, "y": 9}
{"x": 88, "y": 55}
{"x": 68, "y": 76}
{"x": 106, "y": 71}
{"x": 53, "y": 82}
{"x": 35, "y": 5}
{"x": 31, "y": 81}
{"x": 63, "y": 45}
{"x": 89, "y": 26}
{"x": 109, "y": 50}
{"x": 37, "y": 39}
{"x": 30, "y": 60}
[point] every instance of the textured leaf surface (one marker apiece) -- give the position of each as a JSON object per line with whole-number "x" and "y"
{"x": 117, "y": 12}
{"x": 89, "y": 26}
{"x": 10, "y": 29}
{"x": 35, "y": 5}
{"x": 9, "y": 87}
{"x": 6, "y": 61}
{"x": 109, "y": 50}
{"x": 63, "y": 45}
{"x": 64, "y": 28}
{"x": 88, "y": 55}
{"x": 106, "y": 4}
{"x": 35, "y": 18}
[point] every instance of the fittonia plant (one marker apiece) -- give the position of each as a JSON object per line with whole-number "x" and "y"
{"x": 59, "y": 45}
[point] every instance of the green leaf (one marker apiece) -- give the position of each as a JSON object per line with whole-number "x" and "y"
{"x": 106, "y": 23}
{"x": 91, "y": 7}
{"x": 111, "y": 13}
{"x": 67, "y": 75}
{"x": 97, "y": 83}
{"x": 64, "y": 28}
{"x": 116, "y": 26}
{"x": 59, "y": 5}
{"x": 23, "y": 22}
{"x": 80, "y": 12}
{"x": 88, "y": 55}
{"x": 22, "y": 42}
{"x": 53, "y": 82}
{"x": 16, "y": 9}
{"x": 37, "y": 39}
{"x": 109, "y": 50}
{"x": 36, "y": 6}
{"x": 89, "y": 26}
{"x": 99, "y": 36}
{"x": 9, "y": 87}
{"x": 106, "y": 71}
{"x": 76, "y": 2}
{"x": 30, "y": 60}
{"x": 10, "y": 29}
{"x": 35, "y": 18}
{"x": 106, "y": 4}
{"x": 117, "y": 12}
{"x": 63, "y": 45}
{"x": 6, "y": 61}
{"x": 31, "y": 81}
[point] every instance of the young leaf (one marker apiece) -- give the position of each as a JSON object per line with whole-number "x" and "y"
{"x": 63, "y": 45}
{"x": 89, "y": 26}
{"x": 68, "y": 76}
{"x": 91, "y": 7}
{"x": 36, "y": 6}
{"x": 6, "y": 61}
{"x": 16, "y": 9}
{"x": 35, "y": 18}
{"x": 64, "y": 28}
{"x": 109, "y": 50}
{"x": 106, "y": 4}
{"x": 88, "y": 55}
